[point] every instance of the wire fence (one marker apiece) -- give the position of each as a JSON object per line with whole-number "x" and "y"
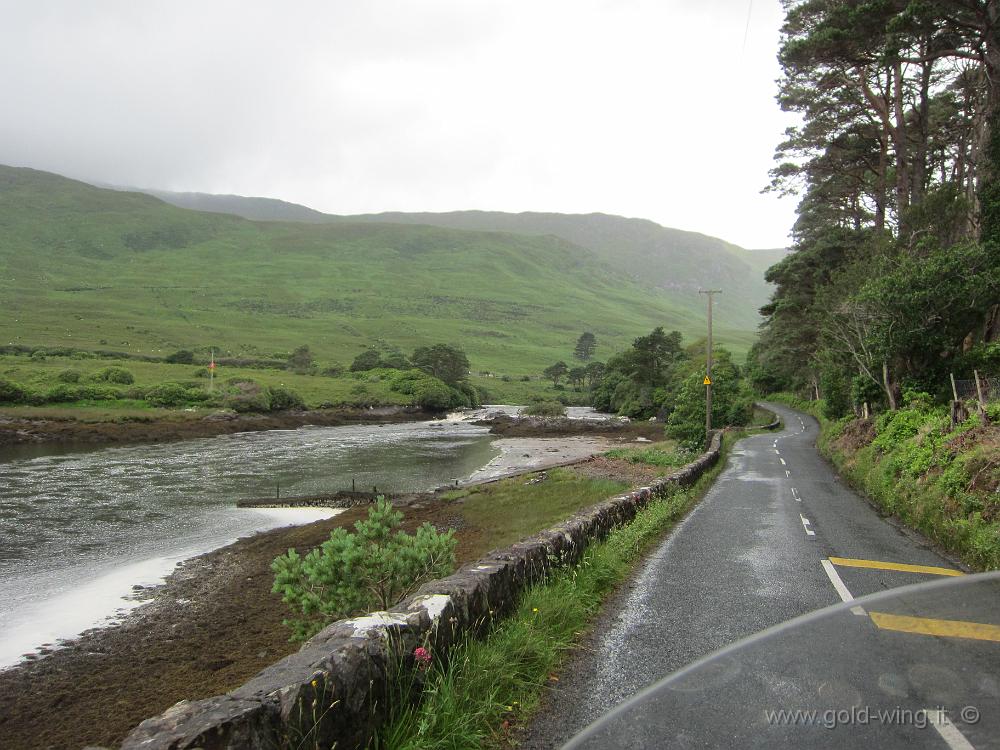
{"x": 966, "y": 389}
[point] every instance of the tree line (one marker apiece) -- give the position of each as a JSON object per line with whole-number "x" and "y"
{"x": 895, "y": 276}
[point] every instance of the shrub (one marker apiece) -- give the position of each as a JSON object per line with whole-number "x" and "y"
{"x": 333, "y": 371}
{"x": 38, "y": 355}
{"x": 13, "y": 393}
{"x": 409, "y": 382}
{"x": 168, "y": 395}
{"x": 118, "y": 375}
{"x": 374, "y": 567}
{"x": 245, "y": 395}
{"x": 893, "y": 427}
{"x": 436, "y": 396}
{"x": 367, "y": 360}
{"x": 68, "y": 376}
{"x": 181, "y": 357}
{"x": 283, "y": 399}
{"x": 545, "y": 409}
{"x": 67, "y": 392}
{"x": 301, "y": 360}
{"x": 993, "y": 411}
{"x": 470, "y": 393}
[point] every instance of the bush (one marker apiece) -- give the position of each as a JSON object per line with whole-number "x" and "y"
{"x": 436, "y": 396}
{"x": 181, "y": 357}
{"x": 993, "y": 411}
{"x": 68, "y": 376}
{"x": 301, "y": 360}
{"x": 372, "y": 568}
{"x": 67, "y": 392}
{"x": 893, "y": 427}
{"x": 333, "y": 371}
{"x": 118, "y": 375}
{"x": 245, "y": 395}
{"x": 168, "y": 395}
{"x": 283, "y": 399}
{"x": 545, "y": 409}
{"x": 470, "y": 393}
{"x": 367, "y": 360}
{"x": 13, "y": 393}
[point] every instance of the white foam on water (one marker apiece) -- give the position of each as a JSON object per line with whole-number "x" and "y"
{"x": 79, "y": 599}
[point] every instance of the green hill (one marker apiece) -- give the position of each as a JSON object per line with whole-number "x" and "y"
{"x": 258, "y": 209}
{"x": 671, "y": 260}
{"x": 92, "y": 268}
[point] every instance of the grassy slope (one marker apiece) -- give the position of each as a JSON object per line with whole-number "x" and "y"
{"x": 94, "y": 268}
{"x": 670, "y": 259}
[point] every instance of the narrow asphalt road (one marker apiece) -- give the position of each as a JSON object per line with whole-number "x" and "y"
{"x": 778, "y": 535}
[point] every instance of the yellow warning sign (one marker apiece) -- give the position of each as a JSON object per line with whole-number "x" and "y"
{"x": 708, "y": 380}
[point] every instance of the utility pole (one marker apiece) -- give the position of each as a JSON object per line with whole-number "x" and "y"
{"x": 708, "y": 362}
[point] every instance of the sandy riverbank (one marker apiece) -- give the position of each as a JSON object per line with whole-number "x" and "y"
{"x": 520, "y": 454}
{"x": 211, "y": 625}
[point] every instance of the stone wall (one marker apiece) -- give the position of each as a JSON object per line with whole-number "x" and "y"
{"x": 336, "y": 690}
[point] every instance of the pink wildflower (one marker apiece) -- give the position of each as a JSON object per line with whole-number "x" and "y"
{"x": 422, "y": 656}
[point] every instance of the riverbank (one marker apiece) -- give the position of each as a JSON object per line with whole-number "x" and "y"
{"x": 215, "y": 623}
{"x": 25, "y": 426}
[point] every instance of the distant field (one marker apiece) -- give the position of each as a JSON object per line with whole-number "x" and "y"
{"x": 316, "y": 390}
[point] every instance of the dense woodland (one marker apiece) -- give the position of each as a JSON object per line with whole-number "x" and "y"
{"x": 894, "y": 281}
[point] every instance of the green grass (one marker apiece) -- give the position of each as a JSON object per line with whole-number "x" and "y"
{"x": 489, "y": 685}
{"x": 348, "y": 389}
{"x": 510, "y": 510}
{"x": 314, "y": 389}
{"x": 99, "y": 269}
{"x": 664, "y": 454}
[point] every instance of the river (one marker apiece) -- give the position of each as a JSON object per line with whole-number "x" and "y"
{"x": 80, "y": 529}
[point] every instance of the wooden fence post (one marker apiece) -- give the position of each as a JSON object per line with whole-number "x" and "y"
{"x": 982, "y": 398}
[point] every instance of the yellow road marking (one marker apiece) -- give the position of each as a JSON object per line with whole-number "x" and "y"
{"x": 977, "y": 631}
{"x": 847, "y": 562}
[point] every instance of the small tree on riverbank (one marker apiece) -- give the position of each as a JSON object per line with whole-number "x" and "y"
{"x": 373, "y": 568}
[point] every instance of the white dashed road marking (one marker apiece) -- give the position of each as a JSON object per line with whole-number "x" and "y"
{"x": 782, "y": 461}
{"x": 805, "y": 525}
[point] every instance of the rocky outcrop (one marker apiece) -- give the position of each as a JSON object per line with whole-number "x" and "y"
{"x": 338, "y": 688}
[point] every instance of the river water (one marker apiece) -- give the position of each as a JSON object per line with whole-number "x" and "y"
{"x": 79, "y": 529}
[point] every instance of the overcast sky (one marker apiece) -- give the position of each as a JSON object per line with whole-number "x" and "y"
{"x": 646, "y": 108}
